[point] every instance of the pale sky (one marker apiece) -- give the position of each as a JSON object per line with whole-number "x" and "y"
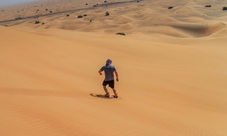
{"x": 11, "y": 2}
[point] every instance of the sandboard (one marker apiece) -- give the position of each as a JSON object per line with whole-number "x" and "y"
{"x": 102, "y": 96}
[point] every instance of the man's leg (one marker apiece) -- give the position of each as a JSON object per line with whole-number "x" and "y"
{"x": 111, "y": 84}
{"x": 115, "y": 93}
{"x": 105, "y": 89}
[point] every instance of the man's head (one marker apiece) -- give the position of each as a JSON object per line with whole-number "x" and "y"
{"x": 108, "y": 61}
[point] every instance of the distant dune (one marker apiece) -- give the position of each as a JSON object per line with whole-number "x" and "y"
{"x": 171, "y": 64}
{"x": 192, "y": 18}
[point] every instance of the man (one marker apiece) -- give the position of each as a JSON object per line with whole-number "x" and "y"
{"x": 109, "y": 71}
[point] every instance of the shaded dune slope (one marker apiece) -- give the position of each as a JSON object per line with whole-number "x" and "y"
{"x": 200, "y": 30}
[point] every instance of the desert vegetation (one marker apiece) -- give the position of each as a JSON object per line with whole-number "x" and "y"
{"x": 107, "y": 13}
{"x": 224, "y": 8}
{"x": 80, "y": 16}
{"x": 208, "y": 6}
{"x": 120, "y": 33}
{"x": 37, "y": 22}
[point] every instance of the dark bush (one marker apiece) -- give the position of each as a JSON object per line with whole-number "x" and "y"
{"x": 224, "y": 8}
{"x": 107, "y": 13}
{"x": 85, "y": 15}
{"x": 208, "y": 6}
{"x": 43, "y": 23}
{"x": 170, "y": 7}
{"x": 37, "y": 22}
{"x": 67, "y": 15}
{"x": 120, "y": 33}
{"x": 80, "y": 16}
{"x": 51, "y": 11}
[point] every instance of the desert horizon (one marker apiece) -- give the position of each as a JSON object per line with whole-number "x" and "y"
{"x": 170, "y": 57}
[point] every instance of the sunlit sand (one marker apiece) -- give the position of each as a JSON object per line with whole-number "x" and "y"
{"x": 171, "y": 64}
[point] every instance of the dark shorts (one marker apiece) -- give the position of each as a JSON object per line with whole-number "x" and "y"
{"x": 110, "y": 83}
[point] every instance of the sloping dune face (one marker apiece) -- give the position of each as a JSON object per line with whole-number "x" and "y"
{"x": 171, "y": 65}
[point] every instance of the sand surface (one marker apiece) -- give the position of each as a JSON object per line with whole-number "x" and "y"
{"x": 171, "y": 64}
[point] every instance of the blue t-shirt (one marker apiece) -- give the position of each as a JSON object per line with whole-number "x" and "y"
{"x": 108, "y": 69}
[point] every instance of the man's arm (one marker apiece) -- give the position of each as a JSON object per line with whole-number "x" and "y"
{"x": 116, "y": 75}
{"x": 100, "y": 72}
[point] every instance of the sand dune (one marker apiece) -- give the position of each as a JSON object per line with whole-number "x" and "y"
{"x": 171, "y": 65}
{"x": 191, "y": 17}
